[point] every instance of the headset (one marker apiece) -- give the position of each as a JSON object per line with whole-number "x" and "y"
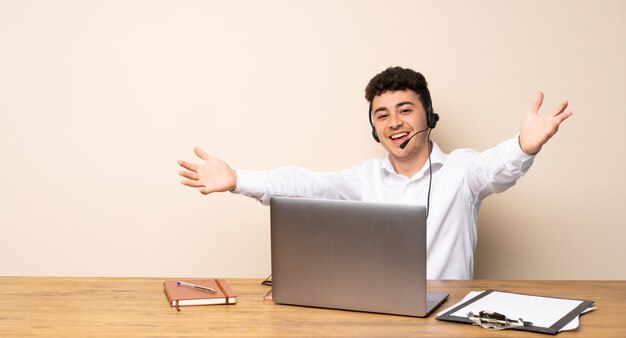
{"x": 431, "y": 116}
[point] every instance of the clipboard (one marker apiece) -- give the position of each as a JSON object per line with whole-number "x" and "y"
{"x": 539, "y": 314}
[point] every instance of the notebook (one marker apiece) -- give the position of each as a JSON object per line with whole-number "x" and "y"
{"x": 190, "y": 292}
{"x": 350, "y": 255}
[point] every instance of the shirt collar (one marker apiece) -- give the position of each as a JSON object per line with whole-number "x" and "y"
{"x": 437, "y": 158}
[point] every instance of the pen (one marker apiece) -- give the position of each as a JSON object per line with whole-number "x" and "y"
{"x": 194, "y": 286}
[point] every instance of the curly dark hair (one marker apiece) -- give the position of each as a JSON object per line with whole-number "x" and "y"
{"x": 398, "y": 78}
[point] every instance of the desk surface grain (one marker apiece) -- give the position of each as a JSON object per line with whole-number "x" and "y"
{"x": 137, "y": 307}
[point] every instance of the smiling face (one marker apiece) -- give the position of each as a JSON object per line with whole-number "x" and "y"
{"x": 397, "y": 115}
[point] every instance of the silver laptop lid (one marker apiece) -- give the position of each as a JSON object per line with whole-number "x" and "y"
{"x": 349, "y": 255}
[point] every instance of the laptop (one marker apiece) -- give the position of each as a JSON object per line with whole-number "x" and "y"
{"x": 350, "y": 255}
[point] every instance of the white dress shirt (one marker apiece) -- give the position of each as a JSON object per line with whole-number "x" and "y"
{"x": 460, "y": 181}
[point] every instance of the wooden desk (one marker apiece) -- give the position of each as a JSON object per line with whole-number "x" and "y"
{"x": 137, "y": 307}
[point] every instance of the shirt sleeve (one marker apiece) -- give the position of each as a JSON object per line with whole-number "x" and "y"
{"x": 497, "y": 169}
{"x": 298, "y": 182}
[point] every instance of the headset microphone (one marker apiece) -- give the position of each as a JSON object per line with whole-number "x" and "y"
{"x": 403, "y": 144}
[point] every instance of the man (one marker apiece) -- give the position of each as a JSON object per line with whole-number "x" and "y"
{"x": 452, "y": 186}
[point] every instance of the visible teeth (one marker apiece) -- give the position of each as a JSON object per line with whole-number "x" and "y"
{"x": 397, "y": 136}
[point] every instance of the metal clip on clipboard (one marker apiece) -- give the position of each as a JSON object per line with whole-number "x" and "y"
{"x": 495, "y": 321}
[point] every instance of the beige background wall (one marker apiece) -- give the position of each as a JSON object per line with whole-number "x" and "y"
{"x": 98, "y": 99}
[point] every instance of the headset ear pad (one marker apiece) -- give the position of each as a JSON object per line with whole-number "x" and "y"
{"x": 431, "y": 118}
{"x": 369, "y": 117}
{"x": 374, "y": 135}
